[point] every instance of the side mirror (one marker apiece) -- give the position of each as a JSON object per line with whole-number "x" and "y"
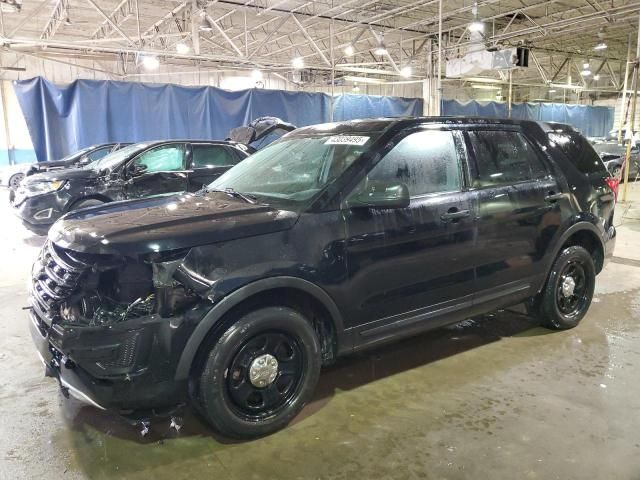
{"x": 84, "y": 160}
{"x": 381, "y": 195}
{"x": 137, "y": 169}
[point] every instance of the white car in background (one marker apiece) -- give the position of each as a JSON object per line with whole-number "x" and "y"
{"x": 12, "y": 175}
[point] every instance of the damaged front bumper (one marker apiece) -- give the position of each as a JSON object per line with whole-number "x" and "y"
{"x": 125, "y": 367}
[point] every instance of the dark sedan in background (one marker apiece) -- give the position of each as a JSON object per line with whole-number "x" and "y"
{"x": 613, "y": 156}
{"x": 134, "y": 171}
{"x": 16, "y": 173}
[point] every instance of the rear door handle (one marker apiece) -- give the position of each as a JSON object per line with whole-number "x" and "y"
{"x": 552, "y": 197}
{"x": 452, "y": 216}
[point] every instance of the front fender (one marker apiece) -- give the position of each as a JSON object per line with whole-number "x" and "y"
{"x": 237, "y": 296}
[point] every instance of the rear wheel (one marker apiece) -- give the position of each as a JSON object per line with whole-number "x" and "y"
{"x": 567, "y": 295}
{"x": 260, "y": 373}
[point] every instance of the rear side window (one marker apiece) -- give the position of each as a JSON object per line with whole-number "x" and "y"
{"x": 502, "y": 158}
{"x": 578, "y": 151}
{"x": 205, "y": 156}
{"x": 426, "y": 161}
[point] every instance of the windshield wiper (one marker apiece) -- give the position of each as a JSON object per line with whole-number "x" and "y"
{"x": 234, "y": 193}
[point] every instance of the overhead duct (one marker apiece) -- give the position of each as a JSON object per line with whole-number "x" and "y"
{"x": 478, "y": 59}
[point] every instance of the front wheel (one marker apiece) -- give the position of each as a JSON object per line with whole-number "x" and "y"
{"x": 567, "y": 295}
{"x": 260, "y": 373}
{"x": 15, "y": 179}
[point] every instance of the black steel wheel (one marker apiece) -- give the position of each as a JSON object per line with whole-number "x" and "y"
{"x": 260, "y": 373}
{"x": 567, "y": 295}
{"x": 265, "y": 374}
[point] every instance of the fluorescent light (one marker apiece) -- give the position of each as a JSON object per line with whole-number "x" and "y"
{"x": 596, "y": 77}
{"x": 182, "y": 48}
{"x": 256, "y": 74}
{"x": 150, "y": 62}
{"x": 567, "y": 85}
{"x": 486, "y": 87}
{"x": 349, "y": 50}
{"x": 600, "y": 46}
{"x": 476, "y": 26}
{"x": 586, "y": 72}
{"x": 297, "y": 63}
{"x": 585, "y": 65}
{"x": 406, "y": 71}
{"x": 553, "y": 90}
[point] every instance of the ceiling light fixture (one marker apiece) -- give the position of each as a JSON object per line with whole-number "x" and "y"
{"x": 585, "y": 65}
{"x": 205, "y": 23}
{"x": 256, "y": 74}
{"x": 349, "y": 50}
{"x": 586, "y": 72}
{"x": 381, "y": 48}
{"x": 182, "y": 48}
{"x": 596, "y": 77}
{"x": 150, "y": 62}
{"x": 553, "y": 90}
{"x": 297, "y": 62}
{"x": 600, "y": 46}
{"x": 476, "y": 25}
{"x": 406, "y": 71}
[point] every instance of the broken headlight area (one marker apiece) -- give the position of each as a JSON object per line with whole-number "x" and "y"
{"x": 74, "y": 289}
{"x": 115, "y": 324}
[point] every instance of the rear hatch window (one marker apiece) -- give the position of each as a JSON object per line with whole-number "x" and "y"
{"x": 579, "y": 151}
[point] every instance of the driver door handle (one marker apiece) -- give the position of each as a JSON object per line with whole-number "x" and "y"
{"x": 552, "y": 197}
{"x": 454, "y": 214}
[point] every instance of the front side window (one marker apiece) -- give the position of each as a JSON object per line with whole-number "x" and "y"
{"x": 502, "y": 158}
{"x": 165, "y": 158}
{"x": 99, "y": 153}
{"x": 208, "y": 156}
{"x": 426, "y": 161}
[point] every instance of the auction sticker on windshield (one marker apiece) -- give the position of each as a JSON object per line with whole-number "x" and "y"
{"x": 346, "y": 140}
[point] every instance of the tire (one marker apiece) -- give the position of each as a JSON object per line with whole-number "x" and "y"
{"x": 15, "y": 179}
{"x": 89, "y": 202}
{"x": 243, "y": 406}
{"x": 563, "y": 303}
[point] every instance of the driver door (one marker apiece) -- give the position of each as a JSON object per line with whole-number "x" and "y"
{"x": 411, "y": 266}
{"x": 158, "y": 170}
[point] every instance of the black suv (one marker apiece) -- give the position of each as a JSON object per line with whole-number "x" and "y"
{"x": 335, "y": 238}
{"x": 134, "y": 171}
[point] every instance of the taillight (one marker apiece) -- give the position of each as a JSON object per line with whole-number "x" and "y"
{"x": 613, "y": 184}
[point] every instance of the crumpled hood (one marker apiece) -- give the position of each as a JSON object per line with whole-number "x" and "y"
{"x": 166, "y": 222}
{"x": 62, "y": 174}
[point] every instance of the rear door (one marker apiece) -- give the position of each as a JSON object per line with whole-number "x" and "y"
{"x": 208, "y": 161}
{"x": 160, "y": 169}
{"x": 411, "y": 265}
{"x": 518, "y": 213}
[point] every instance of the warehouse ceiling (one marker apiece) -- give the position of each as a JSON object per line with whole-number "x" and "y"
{"x": 116, "y": 35}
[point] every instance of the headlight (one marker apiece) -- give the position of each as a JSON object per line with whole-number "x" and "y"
{"x": 38, "y": 188}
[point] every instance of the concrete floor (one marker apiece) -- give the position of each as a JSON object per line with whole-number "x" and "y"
{"x": 494, "y": 397}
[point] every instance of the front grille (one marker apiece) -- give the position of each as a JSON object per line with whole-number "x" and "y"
{"x": 55, "y": 275}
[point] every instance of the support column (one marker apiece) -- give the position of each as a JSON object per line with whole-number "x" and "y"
{"x": 7, "y": 130}
{"x": 627, "y": 159}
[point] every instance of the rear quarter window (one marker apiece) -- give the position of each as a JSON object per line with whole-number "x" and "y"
{"x": 578, "y": 151}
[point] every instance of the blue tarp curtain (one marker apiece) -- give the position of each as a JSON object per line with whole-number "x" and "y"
{"x": 592, "y": 121}
{"x": 62, "y": 119}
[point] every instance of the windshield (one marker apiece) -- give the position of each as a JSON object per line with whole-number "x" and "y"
{"x": 112, "y": 160}
{"x": 296, "y": 168}
{"x": 76, "y": 154}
